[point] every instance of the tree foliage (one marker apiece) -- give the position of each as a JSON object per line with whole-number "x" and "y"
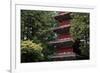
{"x": 36, "y": 32}
{"x": 80, "y": 30}
{"x": 36, "y": 26}
{"x": 31, "y": 52}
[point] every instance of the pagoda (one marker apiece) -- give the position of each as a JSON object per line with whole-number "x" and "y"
{"x": 63, "y": 43}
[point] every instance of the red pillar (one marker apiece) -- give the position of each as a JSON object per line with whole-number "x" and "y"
{"x": 64, "y": 19}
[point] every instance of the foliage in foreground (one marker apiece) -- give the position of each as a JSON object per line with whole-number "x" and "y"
{"x": 31, "y": 52}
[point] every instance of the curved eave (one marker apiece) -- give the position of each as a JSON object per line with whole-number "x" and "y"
{"x": 66, "y": 55}
{"x": 62, "y": 29}
{"x": 67, "y": 44}
{"x": 59, "y": 41}
{"x": 65, "y": 16}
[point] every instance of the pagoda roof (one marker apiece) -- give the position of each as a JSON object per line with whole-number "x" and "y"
{"x": 63, "y": 55}
{"x": 61, "y": 27}
{"x": 63, "y": 16}
{"x": 62, "y": 13}
{"x": 61, "y": 41}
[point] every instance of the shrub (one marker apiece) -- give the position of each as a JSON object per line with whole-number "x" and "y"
{"x": 31, "y": 52}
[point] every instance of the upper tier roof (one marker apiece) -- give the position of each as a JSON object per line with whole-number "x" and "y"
{"x": 62, "y": 29}
{"x": 63, "y": 16}
{"x": 62, "y": 13}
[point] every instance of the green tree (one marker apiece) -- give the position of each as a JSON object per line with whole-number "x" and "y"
{"x": 80, "y": 29}
{"x": 36, "y": 26}
{"x": 31, "y": 52}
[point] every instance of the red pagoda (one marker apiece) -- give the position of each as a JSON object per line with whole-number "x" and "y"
{"x": 63, "y": 43}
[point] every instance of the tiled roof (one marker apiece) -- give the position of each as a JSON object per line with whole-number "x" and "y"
{"x": 61, "y": 40}
{"x": 61, "y": 27}
{"x": 63, "y": 13}
{"x": 67, "y": 54}
{"x": 63, "y": 16}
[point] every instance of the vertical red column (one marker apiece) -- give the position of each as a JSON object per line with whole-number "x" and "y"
{"x": 64, "y": 21}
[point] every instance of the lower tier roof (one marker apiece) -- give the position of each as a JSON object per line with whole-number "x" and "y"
{"x": 69, "y": 54}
